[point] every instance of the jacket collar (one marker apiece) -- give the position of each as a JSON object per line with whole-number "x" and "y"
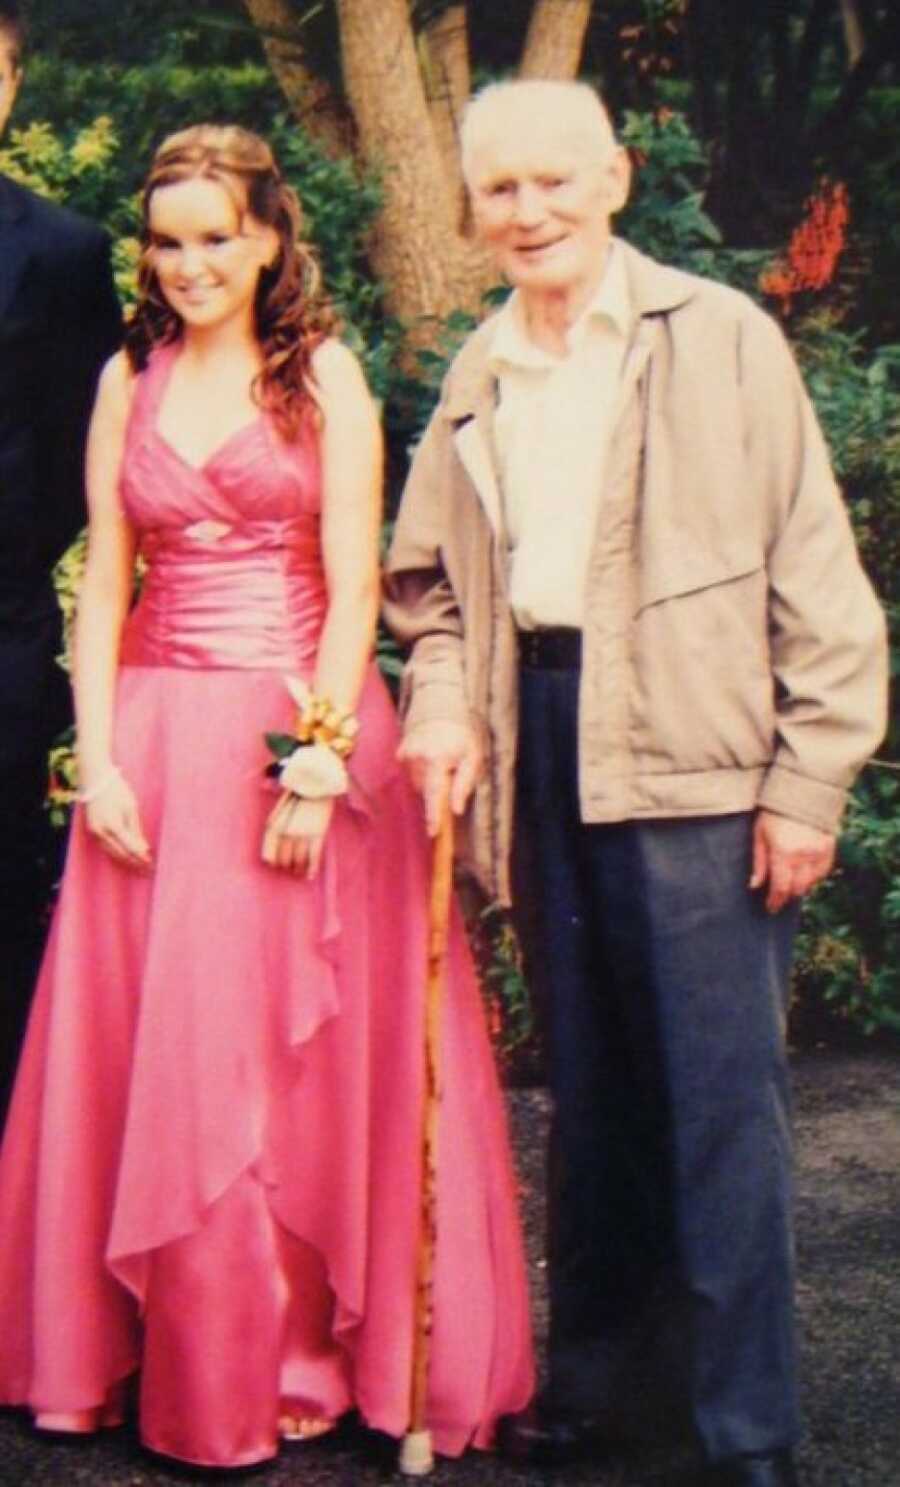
{"x": 653, "y": 289}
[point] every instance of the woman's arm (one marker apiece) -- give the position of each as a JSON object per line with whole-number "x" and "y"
{"x": 351, "y": 514}
{"x": 351, "y": 517}
{"x": 102, "y": 607}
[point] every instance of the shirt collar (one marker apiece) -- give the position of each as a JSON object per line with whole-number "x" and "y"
{"x": 512, "y": 346}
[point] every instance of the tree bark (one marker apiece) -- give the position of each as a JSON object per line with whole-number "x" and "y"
{"x": 309, "y": 97}
{"x": 882, "y": 49}
{"x": 448, "y": 83}
{"x": 854, "y": 31}
{"x": 427, "y": 268}
{"x": 555, "y": 39}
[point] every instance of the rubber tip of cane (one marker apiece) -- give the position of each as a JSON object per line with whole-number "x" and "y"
{"x": 416, "y": 1456}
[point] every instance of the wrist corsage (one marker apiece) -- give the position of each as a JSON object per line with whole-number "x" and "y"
{"x": 310, "y": 762}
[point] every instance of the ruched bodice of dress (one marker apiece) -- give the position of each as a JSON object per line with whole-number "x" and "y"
{"x": 233, "y": 557}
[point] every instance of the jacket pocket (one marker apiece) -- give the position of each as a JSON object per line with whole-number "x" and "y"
{"x": 681, "y": 568}
{"x": 704, "y": 694}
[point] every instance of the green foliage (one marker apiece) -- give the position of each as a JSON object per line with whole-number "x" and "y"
{"x": 414, "y": 394}
{"x": 62, "y": 770}
{"x": 849, "y": 942}
{"x": 86, "y": 31}
{"x": 145, "y": 103}
{"x": 665, "y": 216}
{"x": 75, "y": 169}
{"x": 67, "y": 581}
{"x": 339, "y": 208}
{"x": 509, "y": 1006}
{"x": 849, "y": 947}
{"x": 857, "y": 398}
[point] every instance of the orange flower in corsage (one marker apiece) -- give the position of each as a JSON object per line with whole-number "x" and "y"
{"x": 310, "y": 762}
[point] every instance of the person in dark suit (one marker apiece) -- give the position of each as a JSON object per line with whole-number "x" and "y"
{"x": 59, "y": 320}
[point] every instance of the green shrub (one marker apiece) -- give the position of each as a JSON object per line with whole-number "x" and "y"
{"x": 857, "y": 398}
{"x": 849, "y": 946}
{"x": 665, "y": 215}
{"x": 848, "y": 950}
{"x": 145, "y": 103}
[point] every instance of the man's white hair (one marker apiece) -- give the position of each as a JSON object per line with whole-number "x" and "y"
{"x": 496, "y": 108}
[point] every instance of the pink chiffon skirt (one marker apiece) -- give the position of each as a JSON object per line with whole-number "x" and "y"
{"x": 210, "y": 1173}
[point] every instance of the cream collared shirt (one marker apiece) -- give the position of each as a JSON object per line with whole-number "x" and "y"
{"x": 552, "y": 428}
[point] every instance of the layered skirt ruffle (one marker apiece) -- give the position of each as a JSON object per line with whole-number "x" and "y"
{"x": 211, "y": 1167}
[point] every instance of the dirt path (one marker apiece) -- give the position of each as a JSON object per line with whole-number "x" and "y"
{"x": 848, "y": 1226}
{"x": 848, "y": 1141}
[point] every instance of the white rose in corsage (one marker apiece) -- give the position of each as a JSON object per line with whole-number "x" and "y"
{"x": 313, "y": 771}
{"x": 310, "y": 762}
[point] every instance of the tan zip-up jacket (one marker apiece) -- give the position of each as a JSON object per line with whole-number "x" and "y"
{"x": 734, "y": 654}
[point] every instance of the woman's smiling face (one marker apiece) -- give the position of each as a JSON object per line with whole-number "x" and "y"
{"x": 207, "y": 252}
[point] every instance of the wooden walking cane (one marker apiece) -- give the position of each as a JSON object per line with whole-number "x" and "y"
{"x": 416, "y": 1456}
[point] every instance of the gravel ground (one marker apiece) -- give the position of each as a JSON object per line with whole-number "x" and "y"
{"x": 848, "y": 1138}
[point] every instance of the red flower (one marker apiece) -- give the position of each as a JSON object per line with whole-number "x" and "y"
{"x": 815, "y": 247}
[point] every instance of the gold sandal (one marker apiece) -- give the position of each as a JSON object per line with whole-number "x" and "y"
{"x": 292, "y": 1427}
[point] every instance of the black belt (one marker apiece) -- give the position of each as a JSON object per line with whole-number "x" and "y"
{"x": 556, "y": 648}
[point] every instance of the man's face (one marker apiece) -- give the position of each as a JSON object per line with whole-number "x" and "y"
{"x": 542, "y": 197}
{"x": 10, "y": 78}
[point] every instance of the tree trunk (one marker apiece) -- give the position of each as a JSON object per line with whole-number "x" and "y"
{"x": 854, "y": 31}
{"x": 309, "y": 97}
{"x": 426, "y": 266}
{"x": 882, "y": 49}
{"x": 555, "y": 39}
{"x": 448, "y": 82}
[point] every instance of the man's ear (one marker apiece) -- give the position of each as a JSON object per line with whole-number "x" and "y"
{"x": 617, "y": 178}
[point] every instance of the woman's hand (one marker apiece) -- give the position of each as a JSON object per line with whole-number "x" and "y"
{"x": 295, "y": 834}
{"x": 113, "y": 818}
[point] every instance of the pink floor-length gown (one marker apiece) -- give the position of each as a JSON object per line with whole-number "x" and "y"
{"x": 210, "y": 1168}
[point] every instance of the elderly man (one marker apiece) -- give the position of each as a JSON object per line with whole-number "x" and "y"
{"x": 629, "y": 588}
{"x": 59, "y": 320}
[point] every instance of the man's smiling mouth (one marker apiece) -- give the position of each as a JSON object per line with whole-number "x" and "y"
{"x": 529, "y": 248}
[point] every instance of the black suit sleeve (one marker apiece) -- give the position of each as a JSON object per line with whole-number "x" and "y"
{"x": 85, "y": 329}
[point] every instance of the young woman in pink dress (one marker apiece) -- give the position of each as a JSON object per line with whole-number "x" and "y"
{"x": 209, "y": 1183}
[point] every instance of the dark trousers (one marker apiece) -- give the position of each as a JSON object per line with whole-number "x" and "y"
{"x": 663, "y": 983}
{"x": 28, "y": 862}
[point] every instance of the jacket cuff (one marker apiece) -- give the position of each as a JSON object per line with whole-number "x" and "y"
{"x": 787, "y": 793}
{"x": 428, "y": 702}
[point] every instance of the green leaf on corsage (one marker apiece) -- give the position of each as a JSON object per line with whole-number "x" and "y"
{"x": 282, "y": 745}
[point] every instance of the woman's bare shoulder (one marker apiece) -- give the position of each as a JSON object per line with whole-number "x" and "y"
{"x": 336, "y": 369}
